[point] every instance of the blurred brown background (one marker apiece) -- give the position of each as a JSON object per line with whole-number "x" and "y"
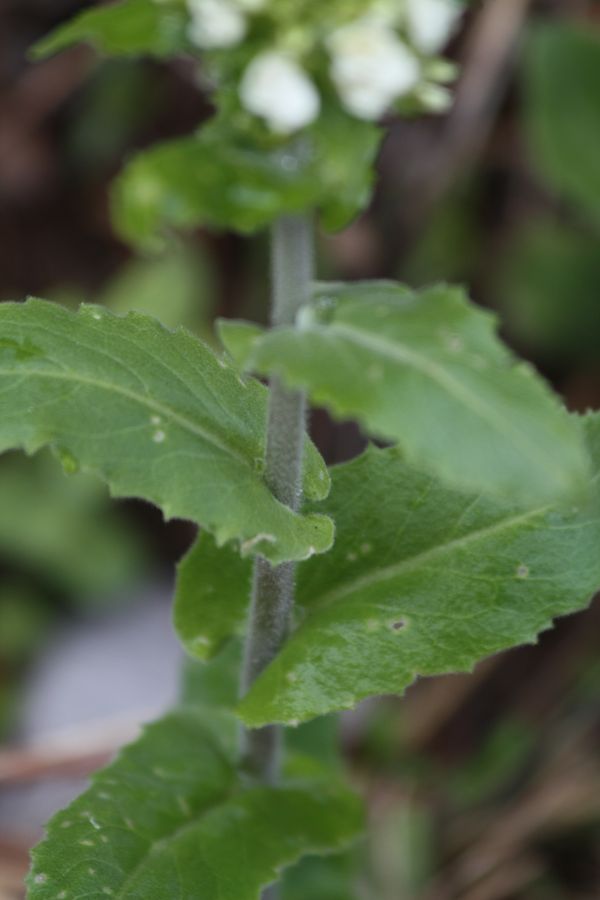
{"x": 481, "y": 788}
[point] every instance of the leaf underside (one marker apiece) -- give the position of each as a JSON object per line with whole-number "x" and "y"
{"x": 157, "y": 415}
{"x": 427, "y": 370}
{"x": 170, "y": 818}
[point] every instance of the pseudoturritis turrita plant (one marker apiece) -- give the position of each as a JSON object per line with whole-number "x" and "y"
{"x": 475, "y": 528}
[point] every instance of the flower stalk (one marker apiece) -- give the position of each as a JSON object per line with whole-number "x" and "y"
{"x": 273, "y": 587}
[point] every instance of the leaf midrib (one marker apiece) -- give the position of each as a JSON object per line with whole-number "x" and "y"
{"x": 399, "y": 352}
{"x": 406, "y": 565}
{"x": 155, "y": 845}
{"x": 150, "y": 404}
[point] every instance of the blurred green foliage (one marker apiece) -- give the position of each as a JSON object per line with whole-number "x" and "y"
{"x": 120, "y": 98}
{"x": 549, "y": 284}
{"x": 550, "y": 287}
{"x": 562, "y": 112}
{"x": 62, "y": 530}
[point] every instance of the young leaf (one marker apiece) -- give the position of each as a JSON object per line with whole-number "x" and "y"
{"x": 215, "y": 684}
{"x": 220, "y": 178}
{"x": 211, "y": 597}
{"x": 157, "y": 415}
{"x": 423, "y": 581}
{"x": 428, "y": 371}
{"x": 129, "y": 28}
{"x": 172, "y": 818}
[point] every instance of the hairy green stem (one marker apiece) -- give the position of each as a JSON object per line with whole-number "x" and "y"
{"x": 273, "y": 587}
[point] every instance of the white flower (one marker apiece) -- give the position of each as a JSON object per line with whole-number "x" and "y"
{"x": 371, "y": 67}
{"x": 430, "y": 23}
{"x": 216, "y": 23}
{"x": 277, "y": 89}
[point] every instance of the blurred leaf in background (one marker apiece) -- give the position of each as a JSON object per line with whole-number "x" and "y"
{"x": 449, "y": 247}
{"x": 63, "y": 531}
{"x": 562, "y": 112}
{"x": 114, "y": 105}
{"x": 178, "y": 288}
{"x": 328, "y": 878}
{"x": 550, "y": 290}
{"x": 63, "y": 545}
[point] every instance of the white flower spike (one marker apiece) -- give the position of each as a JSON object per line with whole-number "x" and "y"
{"x": 430, "y": 23}
{"x": 371, "y": 67}
{"x": 278, "y": 90}
{"x": 216, "y": 23}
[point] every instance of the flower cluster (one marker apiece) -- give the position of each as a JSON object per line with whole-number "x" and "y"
{"x": 375, "y": 57}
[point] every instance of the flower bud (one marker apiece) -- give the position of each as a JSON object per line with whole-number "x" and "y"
{"x": 278, "y": 90}
{"x": 430, "y": 23}
{"x": 216, "y": 23}
{"x": 371, "y": 67}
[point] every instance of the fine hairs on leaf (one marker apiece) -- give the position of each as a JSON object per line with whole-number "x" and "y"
{"x": 305, "y": 591}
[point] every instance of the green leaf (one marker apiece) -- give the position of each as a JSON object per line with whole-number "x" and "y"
{"x": 211, "y": 597}
{"x": 129, "y": 28}
{"x": 562, "y": 79}
{"x": 427, "y": 370}
{"x": 220, "y": 178}
{"x": 423, "y": 581}
{"x": 215, "y": 684}
{"x": 238, "y": 338}
{"x": 157, "y": 415}
{"x": 171, "y": 818}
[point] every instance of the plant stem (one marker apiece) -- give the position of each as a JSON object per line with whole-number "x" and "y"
{"x": 273, "y": 587}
